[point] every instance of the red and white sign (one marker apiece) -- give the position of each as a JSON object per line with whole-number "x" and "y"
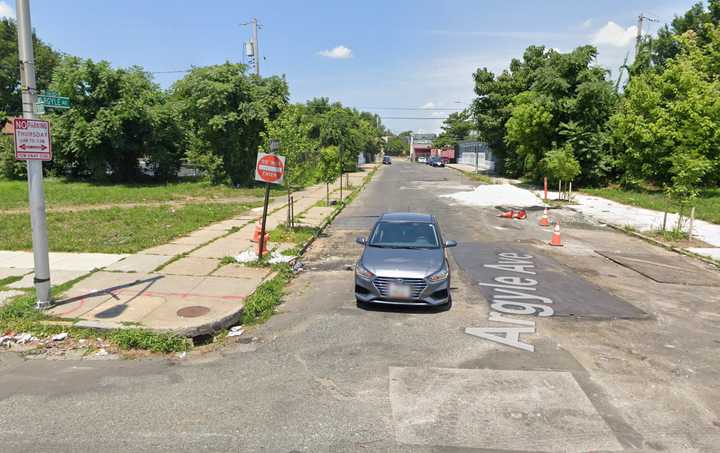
{"x": 32, "y": 139}
{"x": 270, "y": 168}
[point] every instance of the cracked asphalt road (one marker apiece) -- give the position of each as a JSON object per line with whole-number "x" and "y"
{"x": 326, "y": 376}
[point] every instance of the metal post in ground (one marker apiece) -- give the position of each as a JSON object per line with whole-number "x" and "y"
{"x": 340, "y": 152}
{"x": 261, "y": 242}
{"x": 34, "y": 167}
{"x": 692, "y": 222}
{"x": 288, "y": 203}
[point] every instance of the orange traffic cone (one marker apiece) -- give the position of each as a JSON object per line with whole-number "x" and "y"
{"x": 265, "y": 245}
{"x": 521, "y": 215}
{"x": 556, "y": 236}
{"x": 256, "y": 233}
{"x": 544, "y": 220}
{"x": 507, "y": 214}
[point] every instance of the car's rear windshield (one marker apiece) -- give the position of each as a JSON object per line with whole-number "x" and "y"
{"x": 404, "y": 235}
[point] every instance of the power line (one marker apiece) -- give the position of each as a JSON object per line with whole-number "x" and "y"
{"x": 178, "y": 71}
{"x": 412, "y": 118}
{"x": 454, "y": 109}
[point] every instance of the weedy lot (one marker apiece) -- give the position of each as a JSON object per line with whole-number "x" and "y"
{"x": 116, "y": 230}
{"x": 85, "y": 217}
{"x": 60, "y": 193}
{"x": 707, "y": 205}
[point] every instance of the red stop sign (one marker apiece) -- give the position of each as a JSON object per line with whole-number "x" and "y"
{"x": 270, "y": 168}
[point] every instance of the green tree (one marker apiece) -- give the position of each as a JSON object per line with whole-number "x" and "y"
{"x": 530, "y": 129}
{"x": 329, "y": 167}
{"x": 697, "y": 19}
{"x": 492, "y": 108}
{"x": 45, "y": 61}
{"x": 548, "y": 98}
{"x": 293, "y": 129}
{"x": 456, "y": 127}
{"x": 396, "y": 146}
{"x": 671, "y": 119}
{"x": 110, "y": 125}
{"x": 560, "y": 164}
{"x": 10, "y": 168}
{"x": 225, "y": 110}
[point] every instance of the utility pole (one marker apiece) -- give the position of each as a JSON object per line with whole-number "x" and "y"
{"x": 256, "y": 47}
{"x": 34, "y": 167}
{"x": 638, "y": 38}
{"x": 412, "y": 148}
{"x": 252, "y": 49}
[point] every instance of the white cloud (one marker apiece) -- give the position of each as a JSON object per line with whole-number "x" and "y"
{"x": 586, "y": 24}
{"x": 6, "y": 10}
{"x": 613, "y": 34}
{"x": 338, "y": 53}
{"x": 428, "y": 105}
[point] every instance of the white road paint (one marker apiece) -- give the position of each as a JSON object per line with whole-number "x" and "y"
{"x": 511, "y": 296}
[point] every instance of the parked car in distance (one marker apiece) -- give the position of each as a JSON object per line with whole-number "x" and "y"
{"x": 404, "y": 262}
{"x": 436, "y": 162}
{"x": 387, "y": 160}
{"x": 422, "y": 160}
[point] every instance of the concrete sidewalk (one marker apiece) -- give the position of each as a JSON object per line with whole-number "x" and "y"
{"x": 185, "y": 286}
{"x": 65, "y": 267}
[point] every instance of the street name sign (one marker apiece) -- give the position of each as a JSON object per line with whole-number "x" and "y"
{"x": 32, "y": 139}
{"x": 270, "y": 168}
{"x": 53, "y": 100}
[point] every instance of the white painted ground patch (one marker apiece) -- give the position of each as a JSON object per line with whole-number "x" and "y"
{"x": 496, "y": 409}
{"x": 497, "y": 195}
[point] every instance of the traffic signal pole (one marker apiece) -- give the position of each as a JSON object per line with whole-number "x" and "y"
{"x": 34, "y": 167}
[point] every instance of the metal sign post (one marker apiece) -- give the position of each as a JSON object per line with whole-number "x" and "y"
{"x": 270, "y": 168}
{"x": 340, "y": 153}
{"x": 34, "y": 167}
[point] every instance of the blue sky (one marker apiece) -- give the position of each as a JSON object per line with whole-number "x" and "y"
{"x": 404, "y": 53}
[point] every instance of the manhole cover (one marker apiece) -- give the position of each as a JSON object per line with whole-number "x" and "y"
{"x": 193, "y": 311}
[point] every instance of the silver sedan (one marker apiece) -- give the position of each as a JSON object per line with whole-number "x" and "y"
{"x": 404, "y": 262}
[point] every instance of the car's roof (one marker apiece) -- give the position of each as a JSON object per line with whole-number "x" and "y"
{"x": 407, "y": 217}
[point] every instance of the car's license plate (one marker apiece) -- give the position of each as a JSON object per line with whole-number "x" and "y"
{"x": 399, "y": 291}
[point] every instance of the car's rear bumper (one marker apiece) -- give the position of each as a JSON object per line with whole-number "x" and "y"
{"x": 434, "y": 294}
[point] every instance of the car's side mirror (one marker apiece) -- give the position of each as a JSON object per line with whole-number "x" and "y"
{"x": 361, "y": 240}
{"x": 450, "y": 244}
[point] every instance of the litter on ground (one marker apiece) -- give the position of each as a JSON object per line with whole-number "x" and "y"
{"x": 497, "y": 195}
{"x": 60, "y": 336}
{"x": 246, "y": 256}
{"x": 276, "y": 257}
{"x": 236, "y": 331}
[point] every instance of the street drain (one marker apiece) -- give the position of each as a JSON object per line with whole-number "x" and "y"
{"x": 193, "y": 311}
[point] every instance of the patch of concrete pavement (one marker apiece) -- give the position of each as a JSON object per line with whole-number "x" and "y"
{"x": 183, "y": 287}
